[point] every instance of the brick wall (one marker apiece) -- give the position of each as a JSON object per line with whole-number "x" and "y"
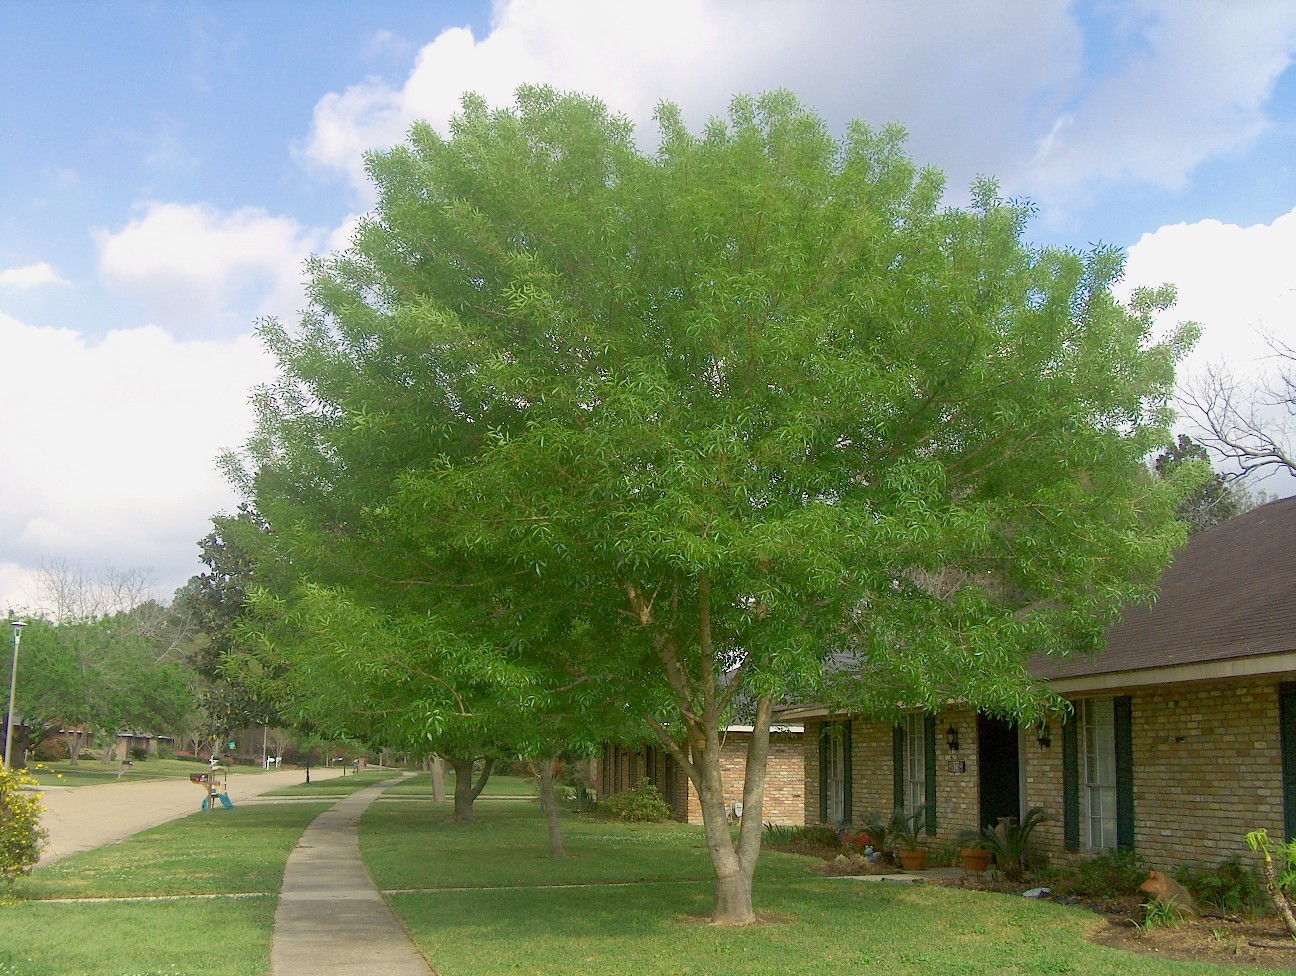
{"x": 872, "y": 781}
{"x": 1207, "y": 769}
{"x": 784, "y": 777}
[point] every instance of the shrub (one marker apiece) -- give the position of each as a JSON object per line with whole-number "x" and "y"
{"x": 139, "y": 753}
{"x": 21, "y": 835}
{"x": 642, "y": 803}
{"x": 1109, "y": 874}
{"x": 1230, "y": 886}
{"x": 780, "y": 835}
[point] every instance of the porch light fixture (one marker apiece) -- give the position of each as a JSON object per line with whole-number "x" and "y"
{"x": 1042, "y": 736}
{"x": 951, "y": 739}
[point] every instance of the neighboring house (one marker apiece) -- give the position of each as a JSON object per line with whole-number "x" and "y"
{"x": 1182, "y": 738}
{"x": 621, "y": 767}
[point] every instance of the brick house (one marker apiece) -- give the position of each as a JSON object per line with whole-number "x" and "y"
{"x": 622, "y": 766}
{"x": 1182, "y": 735}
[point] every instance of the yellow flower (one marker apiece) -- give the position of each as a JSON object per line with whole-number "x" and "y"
{"x": 59, "y": 775}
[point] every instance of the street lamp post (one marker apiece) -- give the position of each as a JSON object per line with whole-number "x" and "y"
{"x": 17, "y": 625}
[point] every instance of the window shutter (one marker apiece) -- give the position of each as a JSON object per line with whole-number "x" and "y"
{"x": 929, "y": 773}
{"x": 1287, "y": 738}
{"x": 823, "y": 773}
{"x": 1071, "y": 783}
{"x": 848, "y": 774}
{"x": 1122, "y": 707}
{"x": 897, "y": 767}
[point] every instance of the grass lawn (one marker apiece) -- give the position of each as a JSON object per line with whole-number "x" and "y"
{"x": 240, "y": 850}
{"x": 817, "y": 924}
{"x": 497, "y": 785}
{"x": 174, "y": 938}
{"x": 493, "y": 906}
{"x": 243, "y": 849}
{"x": 333, "y": 785}
{"x": 90, "y": 772}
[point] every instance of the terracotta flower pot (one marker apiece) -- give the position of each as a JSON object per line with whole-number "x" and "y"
{"x": 975, "y": 859}
{"x": 914, "y": 860}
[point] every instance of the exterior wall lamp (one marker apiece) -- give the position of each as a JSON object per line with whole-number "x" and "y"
{"x": 1042, "y": 736}
{"x": 951, "y": 739}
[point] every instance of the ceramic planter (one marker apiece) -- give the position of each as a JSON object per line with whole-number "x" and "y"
{"x": 912, "y": 860}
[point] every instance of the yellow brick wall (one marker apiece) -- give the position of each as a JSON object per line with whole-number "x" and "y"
{"x": 1207, "y": 769}
{"x": 784, "y": 780}
{"x": 872, "y": 782}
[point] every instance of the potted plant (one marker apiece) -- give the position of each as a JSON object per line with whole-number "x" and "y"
{"x": 1009, "y": 842}
{"x": 902, "y": 837}
{"x": 974, "y": 851}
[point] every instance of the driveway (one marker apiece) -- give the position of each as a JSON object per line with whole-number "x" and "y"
{"x": 84, "y": 817}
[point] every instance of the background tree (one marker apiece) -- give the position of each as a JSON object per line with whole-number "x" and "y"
{"x": 1250, "y": 426}
{"x": 1215, "y": 500}
{"x": 719, "y": 412}
{"x": 91, "y": 679}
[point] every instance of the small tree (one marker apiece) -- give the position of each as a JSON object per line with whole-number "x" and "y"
{"x": 22, "y": 838}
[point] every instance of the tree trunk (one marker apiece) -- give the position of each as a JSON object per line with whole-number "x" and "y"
{"x": 734, "y": 865}
{"x": 73, "y": 741}
{"x": 463, "y": 794}
{"x": 437, "y": 769}
{"x": 549, "y": 806}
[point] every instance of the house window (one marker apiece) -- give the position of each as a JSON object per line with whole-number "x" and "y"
{"x": 1098, "y": 744}
{"x": 915, "y": 764}
{"x": 834, "y": 765}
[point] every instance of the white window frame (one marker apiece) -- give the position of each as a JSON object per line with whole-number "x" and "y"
{"x": 835, "y": 772}
{"x": 915, "y": 763}
{"x": 1098, "y": 771}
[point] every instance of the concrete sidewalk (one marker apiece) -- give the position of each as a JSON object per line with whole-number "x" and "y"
{"x": 85, "y": 817}
{"x": 330, "y": 920}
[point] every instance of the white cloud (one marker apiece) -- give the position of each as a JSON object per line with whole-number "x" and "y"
{"x": 197, "y": 267}
{"x": 1192, "y": 83}
{"x": 30, "y": 276}
{"x": 110, "y": 447}
{"x": 1001, "y": 88}
{"x": 881, "y": 61}
{"x": 1237, "y": 282}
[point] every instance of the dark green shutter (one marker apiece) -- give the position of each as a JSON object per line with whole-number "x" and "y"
{"x": 823, "y": 773}
{"x": 1287, "y": 738}
{"x": 1123, "y": 715}
{"x": 897, "y": 767}
{"x": 929, "y": 775}
{"x": 1070, "y": 783}
{"x": 847, "y": 775}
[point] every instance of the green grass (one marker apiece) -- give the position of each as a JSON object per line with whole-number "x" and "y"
{"x": 815, "y": 924}
{"x": 237, "y": 850}
{"x": 333, "y": 785}
{"x": 91, "y": 772}
{"x": 240, "y": 850}
{"x": 414, "y": 846}
{"x": 497, "y": 785}
{"x": 191, "y": 938}
{"x": 530, "y": 925}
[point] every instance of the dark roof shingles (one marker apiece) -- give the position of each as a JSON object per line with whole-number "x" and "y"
{"x": 1230, "y": 593}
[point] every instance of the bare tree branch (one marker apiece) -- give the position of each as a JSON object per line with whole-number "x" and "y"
{"x": 1253, "y": 428}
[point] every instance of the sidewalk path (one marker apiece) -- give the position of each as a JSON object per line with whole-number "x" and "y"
{"x": 330, "y": 920}
{"x": 84, "y": 817}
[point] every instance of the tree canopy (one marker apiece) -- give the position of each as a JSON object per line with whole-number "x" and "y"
{"x": 690, "y": 422}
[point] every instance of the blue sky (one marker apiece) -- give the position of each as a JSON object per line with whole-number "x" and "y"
{"x": 165, "y": 168}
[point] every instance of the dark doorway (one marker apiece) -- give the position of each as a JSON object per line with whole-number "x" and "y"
{"x": 1000, "y": 793}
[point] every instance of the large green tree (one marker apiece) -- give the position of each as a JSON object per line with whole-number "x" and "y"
{"x": 690, "y": 422}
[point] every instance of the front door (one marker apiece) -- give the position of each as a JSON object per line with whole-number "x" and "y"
{"x": 1000, "y": 791}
